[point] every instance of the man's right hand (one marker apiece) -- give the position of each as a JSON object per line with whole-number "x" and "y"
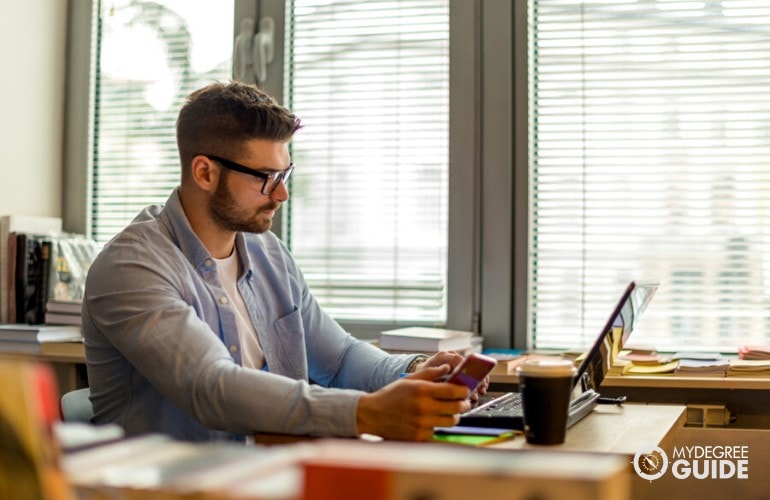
{"x": 409, "y": 408}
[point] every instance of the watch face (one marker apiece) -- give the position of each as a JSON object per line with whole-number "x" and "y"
{"x": 650, "y": 463}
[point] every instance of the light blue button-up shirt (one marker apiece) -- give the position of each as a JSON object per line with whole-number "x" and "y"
{"x": 162, "y": 346}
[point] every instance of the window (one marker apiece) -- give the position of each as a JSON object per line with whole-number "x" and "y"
{"x": 650, "y": 142}
{"x": 368, "y": 213}
{"x": 368, "y": 217}
{"x": 150, "y": 56}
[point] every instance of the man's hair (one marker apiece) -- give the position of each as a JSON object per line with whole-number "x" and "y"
{"x": 219, "y": 118}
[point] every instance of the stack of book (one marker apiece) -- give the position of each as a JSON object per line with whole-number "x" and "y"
{"x": 429, "y": 340}
{"x": 40, "y": 264}
{"x": 12, "y": 227}
{"x": 63, "y": 312}
{"x": 33, "y": 339}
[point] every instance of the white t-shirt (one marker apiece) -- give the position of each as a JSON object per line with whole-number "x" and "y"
{"x": 251, "y": 352}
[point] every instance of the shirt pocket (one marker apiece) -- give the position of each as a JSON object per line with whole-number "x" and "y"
{"x": 290, "y": 339}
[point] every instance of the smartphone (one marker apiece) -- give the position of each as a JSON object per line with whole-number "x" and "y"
{"x": 471, "y": 371}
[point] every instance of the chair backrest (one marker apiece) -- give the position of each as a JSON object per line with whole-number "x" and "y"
{"x": 76, "y": 406}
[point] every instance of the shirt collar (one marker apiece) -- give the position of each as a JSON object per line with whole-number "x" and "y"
{"x": 174, "y": 218}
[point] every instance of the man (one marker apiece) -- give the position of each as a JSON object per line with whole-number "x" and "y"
{"x": 199, "y": 324}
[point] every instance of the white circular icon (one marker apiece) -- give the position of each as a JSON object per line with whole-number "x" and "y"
{"x": 650, "y": 462}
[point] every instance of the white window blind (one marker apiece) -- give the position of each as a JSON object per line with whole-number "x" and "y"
{"x": 368, "y": 213}
{"x": 650, "y": 133}
{"x": 151, "y": 55}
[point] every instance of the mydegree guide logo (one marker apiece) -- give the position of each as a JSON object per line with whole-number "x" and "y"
{"x": 699, "y": 462}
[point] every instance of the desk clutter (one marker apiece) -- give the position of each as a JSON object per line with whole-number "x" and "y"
{"x": 46, "y": 458}
{"x": 751, "y": 362}
{"x": 690, "y": 364}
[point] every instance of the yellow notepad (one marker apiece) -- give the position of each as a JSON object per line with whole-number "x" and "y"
{"x": 661, "y": 369}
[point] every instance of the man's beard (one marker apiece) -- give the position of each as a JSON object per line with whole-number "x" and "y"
{"x": 228, "y": 216}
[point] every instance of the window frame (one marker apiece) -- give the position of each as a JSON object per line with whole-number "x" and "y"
{"x": 480, "y": 269}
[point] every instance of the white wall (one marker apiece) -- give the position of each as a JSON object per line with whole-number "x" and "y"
{"x": 32, "y": 48}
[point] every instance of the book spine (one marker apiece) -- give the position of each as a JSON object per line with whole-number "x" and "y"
{"x": 29, "y": 269}
{"x": 43, "y": 279}
{"x": 20, "y": 279}
{"x": 6, "y": 263}
{"x": 9, "y": 287}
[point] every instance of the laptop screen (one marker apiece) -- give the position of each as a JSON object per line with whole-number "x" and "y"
{"x": 618, "y": 328}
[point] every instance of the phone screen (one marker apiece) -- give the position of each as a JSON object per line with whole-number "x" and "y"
{"x": 472, "y": 371}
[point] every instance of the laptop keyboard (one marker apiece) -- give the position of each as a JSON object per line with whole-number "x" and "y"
{"x": 507, "y": 407}
{"x": 505, "y": 410}
{"x": 496, "y": 411}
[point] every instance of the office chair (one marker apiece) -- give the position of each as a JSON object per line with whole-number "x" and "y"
{"x": 76, "y": 406}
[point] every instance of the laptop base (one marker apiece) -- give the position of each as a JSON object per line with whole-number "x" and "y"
{"x": 489, "y": 415}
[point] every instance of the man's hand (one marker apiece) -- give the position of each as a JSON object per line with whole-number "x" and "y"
{"x": 440, "y": 358}
{"x": 409, "y": 408}
{"x": 453, "y": 360}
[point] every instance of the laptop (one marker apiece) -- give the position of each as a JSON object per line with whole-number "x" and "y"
{"x": 505, "y": 412}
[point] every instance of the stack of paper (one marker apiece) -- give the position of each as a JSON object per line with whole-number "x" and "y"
{"x": 754, "y": 352}
{"x": 748, "y": 368}
{"x": 642, "y": 362}
{"x": 702, "y": 368}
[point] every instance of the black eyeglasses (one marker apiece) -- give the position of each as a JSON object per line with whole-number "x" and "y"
{"x": 271, "y": 181}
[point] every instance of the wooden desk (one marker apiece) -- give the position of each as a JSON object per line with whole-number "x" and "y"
{"x": 679, "y": 382}
{"x": 663, "y": 382}
{"x": 745, "y": 397}
{"x": 608, "y": 429}
{"x": 67, "y": 359}
{"x": 616, "y": 429}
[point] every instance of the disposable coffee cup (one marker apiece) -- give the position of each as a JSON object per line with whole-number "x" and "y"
{"x": 546, "y": 389}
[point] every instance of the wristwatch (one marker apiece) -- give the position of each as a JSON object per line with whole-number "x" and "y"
{"x": 420, "y": 358}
